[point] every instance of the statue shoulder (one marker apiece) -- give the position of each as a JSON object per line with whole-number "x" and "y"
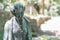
{"x": 26, "y": 19}
{"x": 8, "y": 24}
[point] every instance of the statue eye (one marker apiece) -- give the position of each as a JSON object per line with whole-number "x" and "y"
{"x": 16, "y": 8}
{"x": 13, "y": 10}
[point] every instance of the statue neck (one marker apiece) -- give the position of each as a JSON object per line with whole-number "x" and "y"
{"x": 19, "y": 21}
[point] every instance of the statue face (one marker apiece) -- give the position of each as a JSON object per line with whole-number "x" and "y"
{"x": 19, "y": 10}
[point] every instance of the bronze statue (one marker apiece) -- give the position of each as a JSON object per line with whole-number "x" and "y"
{"x": 18, "y": 27}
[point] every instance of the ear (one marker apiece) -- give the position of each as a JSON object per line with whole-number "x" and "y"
{"x": 13, "y": 12}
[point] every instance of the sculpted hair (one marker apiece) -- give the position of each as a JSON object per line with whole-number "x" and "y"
{"x": 15, "y": 5}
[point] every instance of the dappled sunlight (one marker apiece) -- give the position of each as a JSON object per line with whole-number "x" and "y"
{"x": 52, "y": 25}
{"x": 43, "y": 16}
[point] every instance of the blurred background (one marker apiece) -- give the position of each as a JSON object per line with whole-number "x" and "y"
{"x": 44, "y": 16}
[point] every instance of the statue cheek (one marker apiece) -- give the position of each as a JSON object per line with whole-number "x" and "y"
{"x": 17, "y": 15}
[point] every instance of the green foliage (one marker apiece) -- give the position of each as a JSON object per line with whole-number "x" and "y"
{"x": 54, "y": 39}
{"x": 1, "y": 35}
{"x": 55, "y": 14}
{"x": 4, "y": 16}
{"x": 44, "y": 37}
{"x": 1, "y": 1}
{"x": 12, "y": 1}
{"x": 57, "y": 1}
{"x": 37, "y": 7}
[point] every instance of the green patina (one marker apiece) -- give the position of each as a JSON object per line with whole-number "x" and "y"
{"x": 18, "y": 12}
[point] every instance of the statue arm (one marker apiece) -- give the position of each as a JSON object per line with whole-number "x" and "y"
{"x": 7, "y": 31}
{"x": 29, "y": 32}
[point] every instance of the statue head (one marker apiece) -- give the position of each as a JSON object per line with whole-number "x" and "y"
{"x": 18, "y": 10}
